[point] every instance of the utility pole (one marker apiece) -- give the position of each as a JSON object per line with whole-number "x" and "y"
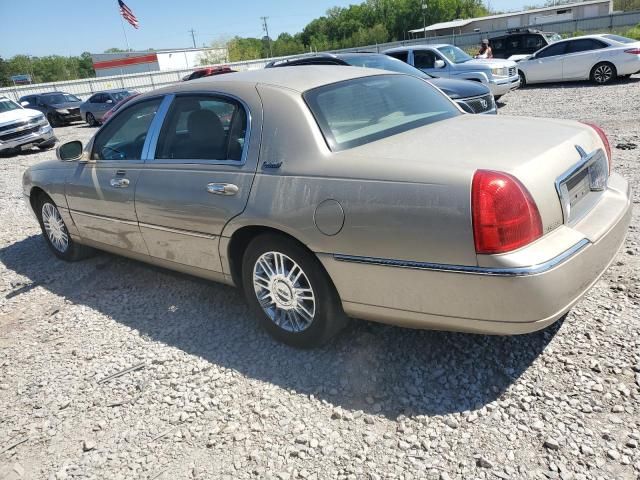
{"x": 193, "y": 37}
{"x": 424, "y": 18}
{"x": 265, "y": 27}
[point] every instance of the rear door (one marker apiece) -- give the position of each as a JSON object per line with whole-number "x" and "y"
{"x": 546, "y": 66}
{"x": 582, "y": 55}
{"x": 200, "y": 175}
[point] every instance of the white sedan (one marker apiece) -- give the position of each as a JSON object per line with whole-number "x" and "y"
{"x": 599, "y": 58}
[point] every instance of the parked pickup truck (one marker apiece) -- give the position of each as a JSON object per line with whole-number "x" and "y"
{"x": 448, "y": 61}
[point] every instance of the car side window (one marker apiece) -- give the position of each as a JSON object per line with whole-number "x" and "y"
{"x": 514, "y": 42}
{"x": 404, "y": 56}
{"x": 424, "y": 59}
{"x": 201, "y": 127}
{"x": 553, "y": 50}
{"x": 95, "y": 98}
{"x": 534, "y": 42}
{"x": 497, "y": 44}
{"x": 122, "y": 138}
{"x": 584, "y": 45}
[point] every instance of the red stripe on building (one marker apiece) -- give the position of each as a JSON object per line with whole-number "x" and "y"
{"x": 121, "y": 62}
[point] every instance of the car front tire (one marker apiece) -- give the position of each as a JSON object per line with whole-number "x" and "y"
{"x": 290, "y": 292}
{"x": 56, "y": 233}
{"x": 523, "y": 79}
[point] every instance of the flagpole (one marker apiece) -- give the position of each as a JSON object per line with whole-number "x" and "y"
{"x": 125, "y": 33}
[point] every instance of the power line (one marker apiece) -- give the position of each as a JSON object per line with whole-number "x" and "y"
{"x": 265, "y": 27}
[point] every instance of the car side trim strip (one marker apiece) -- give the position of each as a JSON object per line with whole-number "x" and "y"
{"x": 469, "y": 269}
{"x": 104, "y": 217}
{"x": 179, "y": 231}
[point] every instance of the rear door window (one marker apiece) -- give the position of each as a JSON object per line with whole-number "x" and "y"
{"x": 585, "y": 45}
{"x": 200, "y": 127}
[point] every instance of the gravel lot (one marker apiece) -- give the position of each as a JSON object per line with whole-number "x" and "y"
{"x": 209, "y": 395}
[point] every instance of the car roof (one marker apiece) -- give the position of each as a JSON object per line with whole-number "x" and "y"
{"x": 299, "y": 78}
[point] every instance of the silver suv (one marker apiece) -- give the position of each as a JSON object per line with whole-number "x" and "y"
{"x": 448, "y": 61}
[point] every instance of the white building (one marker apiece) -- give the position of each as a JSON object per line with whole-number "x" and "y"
{"x": 106, "y": 64}
{"x": 525, "y": 18}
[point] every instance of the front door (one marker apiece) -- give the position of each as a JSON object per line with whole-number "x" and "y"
{"x": 425, "y": 60}
{"x": 100, "y": 194}
{"x": 200, "y": 176}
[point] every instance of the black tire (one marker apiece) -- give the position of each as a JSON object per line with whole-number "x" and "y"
{"x": 603, "y": 73}
{"x": 73, "y": 251}
{"x": 328, "y": 317}
{"x": 47, "y": 145}
{"x": 523, "y": 79}
{"x": 497, "y": 98}
{"x": 91, "y": 120}
{"x": 53, "y": 119}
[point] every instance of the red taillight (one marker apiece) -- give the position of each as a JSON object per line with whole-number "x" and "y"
{"x": 605, "y": 140}
{"x": 505, "y": 217}
{"x": 633, "y": 51}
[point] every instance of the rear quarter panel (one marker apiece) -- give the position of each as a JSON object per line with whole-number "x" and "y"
{"x": 426, "y": 218}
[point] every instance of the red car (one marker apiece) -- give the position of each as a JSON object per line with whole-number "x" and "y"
{"x": 208, "y": 72}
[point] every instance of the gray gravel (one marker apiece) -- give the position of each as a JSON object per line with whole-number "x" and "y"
{"x": 209, "y": 395}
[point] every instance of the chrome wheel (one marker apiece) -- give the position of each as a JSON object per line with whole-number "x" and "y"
{"x": 603, "y": 73}
{"x": 54, "y": 227}
{"x": 284, "y": 292}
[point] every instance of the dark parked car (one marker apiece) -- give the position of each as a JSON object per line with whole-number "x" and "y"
{"x": 521, "y": 42}
{"x": 208, "y": 72}
{"x": 100, "y": 103}
{"x": 473, "y": 97}
{"x": 60, "y": 108}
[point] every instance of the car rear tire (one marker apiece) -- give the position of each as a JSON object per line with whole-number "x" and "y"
{"x": 91, "y": 120}
{"x": 56, "y": 233}
{"x": 603, "y": 73}
{"x": 290, "y": 292}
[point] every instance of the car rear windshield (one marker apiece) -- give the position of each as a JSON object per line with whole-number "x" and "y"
{"x": 363, "y": 110}
{"x": 619, "y": 39}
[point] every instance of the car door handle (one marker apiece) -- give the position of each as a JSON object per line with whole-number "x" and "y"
{"x": 222, "y": 188}
{"x": 119, "y": 182}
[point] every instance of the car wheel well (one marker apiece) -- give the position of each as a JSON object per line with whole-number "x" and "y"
{"x": 34, "y": 195}
{"x": 240, "y": 241}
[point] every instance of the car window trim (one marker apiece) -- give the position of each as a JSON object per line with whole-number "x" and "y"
{"x": 153, "y": 143}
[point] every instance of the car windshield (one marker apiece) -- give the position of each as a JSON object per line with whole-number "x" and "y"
{"x": 552, "y": 37}
{"x": 117, "y": 96}
{"x": 56, "y": 98}
{"x": 364, "y": 110}
{"x": 7, "y": 105}
{"x": 454, "y": 54}
{"x": 619, "y": 39}
{"x": 383, "y": 62}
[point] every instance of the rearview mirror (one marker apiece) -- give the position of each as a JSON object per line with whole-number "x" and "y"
{"x": 439, "y": 64}
{"x": 69, "y": 151}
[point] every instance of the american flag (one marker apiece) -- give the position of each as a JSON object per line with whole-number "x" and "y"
{"x": 128, "y": 15}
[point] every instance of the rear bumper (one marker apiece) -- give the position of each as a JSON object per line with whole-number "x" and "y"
{"x": 507, "y": 299}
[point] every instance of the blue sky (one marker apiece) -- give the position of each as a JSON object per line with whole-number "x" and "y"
{"x": 69, "y": 27}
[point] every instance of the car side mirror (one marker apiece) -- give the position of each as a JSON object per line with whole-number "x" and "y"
{"x": 70, "y": 151}
{"x": 109, "y": 101}
{"x": 439, "y": 64}
{"x": 24, "y": 104}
